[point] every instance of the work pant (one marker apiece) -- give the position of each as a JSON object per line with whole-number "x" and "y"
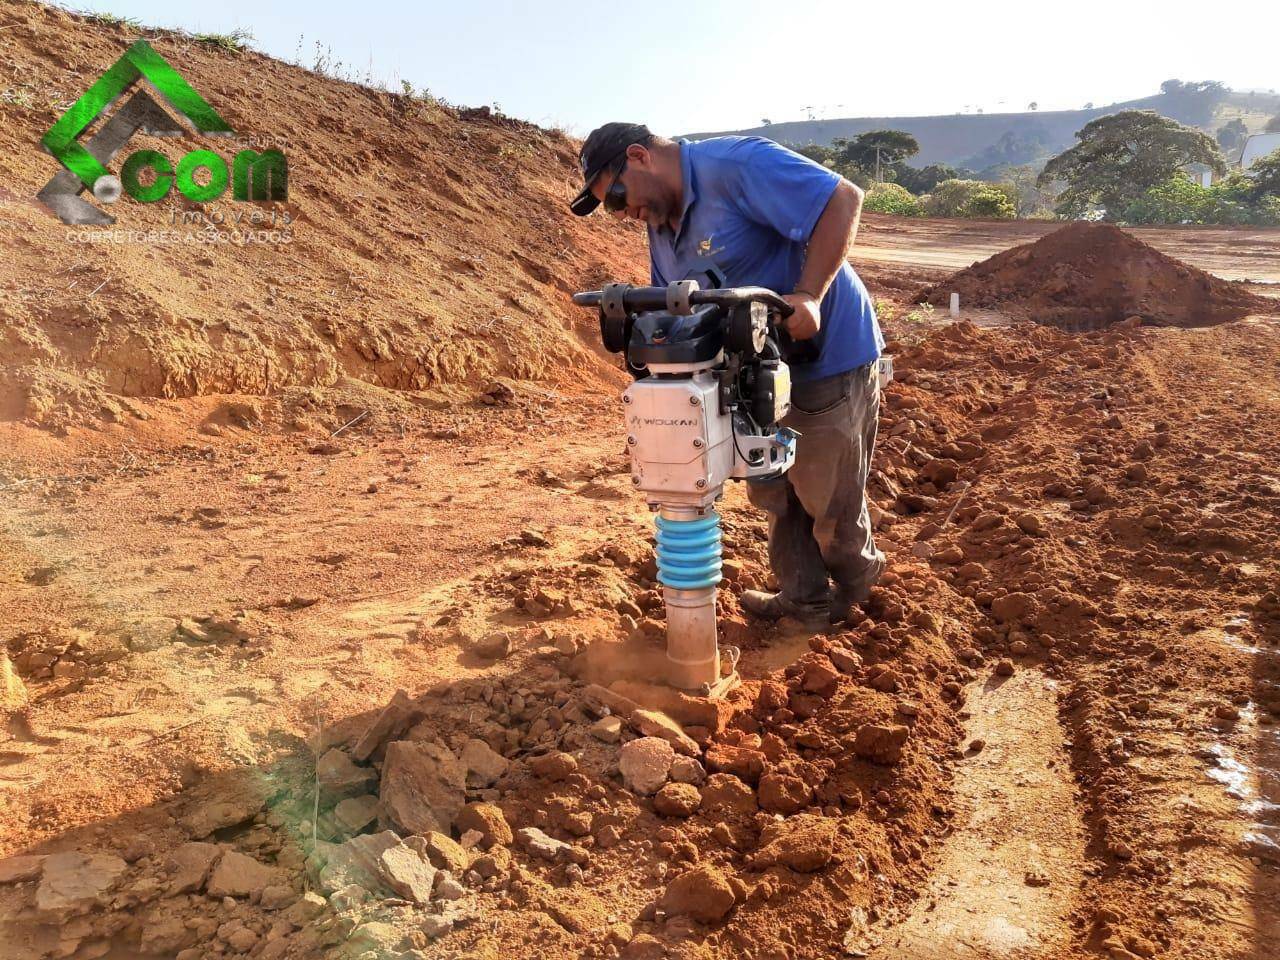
{"x": 819, "y": 527}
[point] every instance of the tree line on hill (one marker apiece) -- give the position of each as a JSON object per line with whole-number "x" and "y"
{"x": 1135, "y": 166}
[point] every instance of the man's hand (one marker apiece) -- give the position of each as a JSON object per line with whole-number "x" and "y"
{"x": 805, "y": 323}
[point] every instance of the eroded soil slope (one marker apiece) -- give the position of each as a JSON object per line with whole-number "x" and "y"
{"x": 430, "y": 245}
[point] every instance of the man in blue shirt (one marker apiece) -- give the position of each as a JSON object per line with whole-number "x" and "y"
{"x": 753, "y": 213}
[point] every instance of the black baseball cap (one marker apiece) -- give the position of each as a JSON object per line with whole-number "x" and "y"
{"x": 602, "y": 146}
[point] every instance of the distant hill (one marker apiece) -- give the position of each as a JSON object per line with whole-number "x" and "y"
{"x": 982, "y": 140}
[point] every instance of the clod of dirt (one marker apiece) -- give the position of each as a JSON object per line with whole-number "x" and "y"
{"x": 677, "y": 800}
{"x": 881, "y": 743}
{"x": 804, "y": 843}
{"x": 488, "y": 820}
{"x": 1091, "y": 275}
{"x": 702, "y": 893}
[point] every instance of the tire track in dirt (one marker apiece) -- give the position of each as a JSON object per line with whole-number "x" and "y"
{"x": 1006, "y": 879}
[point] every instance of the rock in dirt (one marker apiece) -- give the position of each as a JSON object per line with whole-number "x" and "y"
{"x": 645, "y": 764}
{"x": 18, "y": 869}
{"x": 408, "y": 872}
{"x": 702, "y": 893}
{"x": 355, "y": 863}
{"x": 804, "y": 843}
{"x": 820, "y": 676}
{"x": 677, "y": 800}
{"x": 443, "y": 851}
{"x": 396, "y": 717}
{"x": 881, "y": 743}
{"x": 305, "y": 909}
{"x": 339, "y": 776}
{"x": 355, "y": 813}
{"x": 484, "y": 764}
{"x": 423, "y": 786}
{"x": 687, "y": 770}
{"x": 554, "y": 766}
{"x": 651, "y": 723}
{"x": 845, "y": 660}
{"x": 239, "y": 875}
{"x": 488, "y": 820}
{"x": 74, "y": 883}
{"x": 607, "y": 729}
{"x": 376, "y": 937}
{"x": 189, "y": 866}
{"x": 164, "y": 933}
{"x": 539, "y": 844}
{"x": 228, "y": 810}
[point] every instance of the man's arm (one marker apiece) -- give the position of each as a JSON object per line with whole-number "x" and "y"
{"x": 832, "y": 235}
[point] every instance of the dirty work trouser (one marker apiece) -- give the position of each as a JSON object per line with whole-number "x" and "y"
{"x": 818, "y": 520}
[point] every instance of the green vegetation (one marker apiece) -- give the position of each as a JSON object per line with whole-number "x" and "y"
{"x": 1236, "y": 199}
{"x": 237, "y": 41}
{"x": 1121, "y": 156}
{"x": 1273, "y": 125}
{"x": 976, "y": 199}
{"x": 907, "y": 191}
{"x": 893, "y": 199}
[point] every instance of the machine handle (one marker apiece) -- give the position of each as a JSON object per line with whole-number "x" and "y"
{"x": 655, "y": 298}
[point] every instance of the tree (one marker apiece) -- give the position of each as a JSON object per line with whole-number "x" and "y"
{"x": 875, "y": 150}
{"x": 1033, "y": 106}
{"x": 1231, "y": 136}
{"x": 924, "y": 179}
{"x": 814, "y": 151}
{"x": 1033, "y": 199}
{"x": 766, "y": 122}
{"x": 1273, "y": 125}
{"x": 1265, "y": 177}
{"x": 1192, "y": 101}
{"x": 1121, "y": 156}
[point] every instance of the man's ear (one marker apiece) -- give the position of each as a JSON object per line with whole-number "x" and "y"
{"x": 639, "y": 155}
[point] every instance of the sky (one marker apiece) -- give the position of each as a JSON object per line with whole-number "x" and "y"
{"x": 684, "y": 66}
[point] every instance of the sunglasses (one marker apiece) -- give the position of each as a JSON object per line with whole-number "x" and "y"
{"x": 615, "y": 198}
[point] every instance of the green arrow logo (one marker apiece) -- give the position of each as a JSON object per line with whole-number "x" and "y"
{"x": 139, "y": 61}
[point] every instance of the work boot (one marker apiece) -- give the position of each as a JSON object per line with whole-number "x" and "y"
{"x": 774, "y": 606}
{"x": 845, "y": 601}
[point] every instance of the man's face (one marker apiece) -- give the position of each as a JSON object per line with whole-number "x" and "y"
{"x": 647, "y": 198}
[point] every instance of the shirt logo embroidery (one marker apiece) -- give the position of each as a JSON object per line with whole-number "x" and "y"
{"x": 704, "y": 248}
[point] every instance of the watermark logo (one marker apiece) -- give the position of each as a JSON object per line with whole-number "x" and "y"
{"x": 252, "y": 176}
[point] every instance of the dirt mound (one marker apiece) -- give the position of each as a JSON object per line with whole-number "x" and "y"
{"x": 1090, "y": 275}
{"x": 429, "y": 245}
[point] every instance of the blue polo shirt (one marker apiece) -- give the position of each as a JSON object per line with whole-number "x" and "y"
{"x": 750, "y": 207}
